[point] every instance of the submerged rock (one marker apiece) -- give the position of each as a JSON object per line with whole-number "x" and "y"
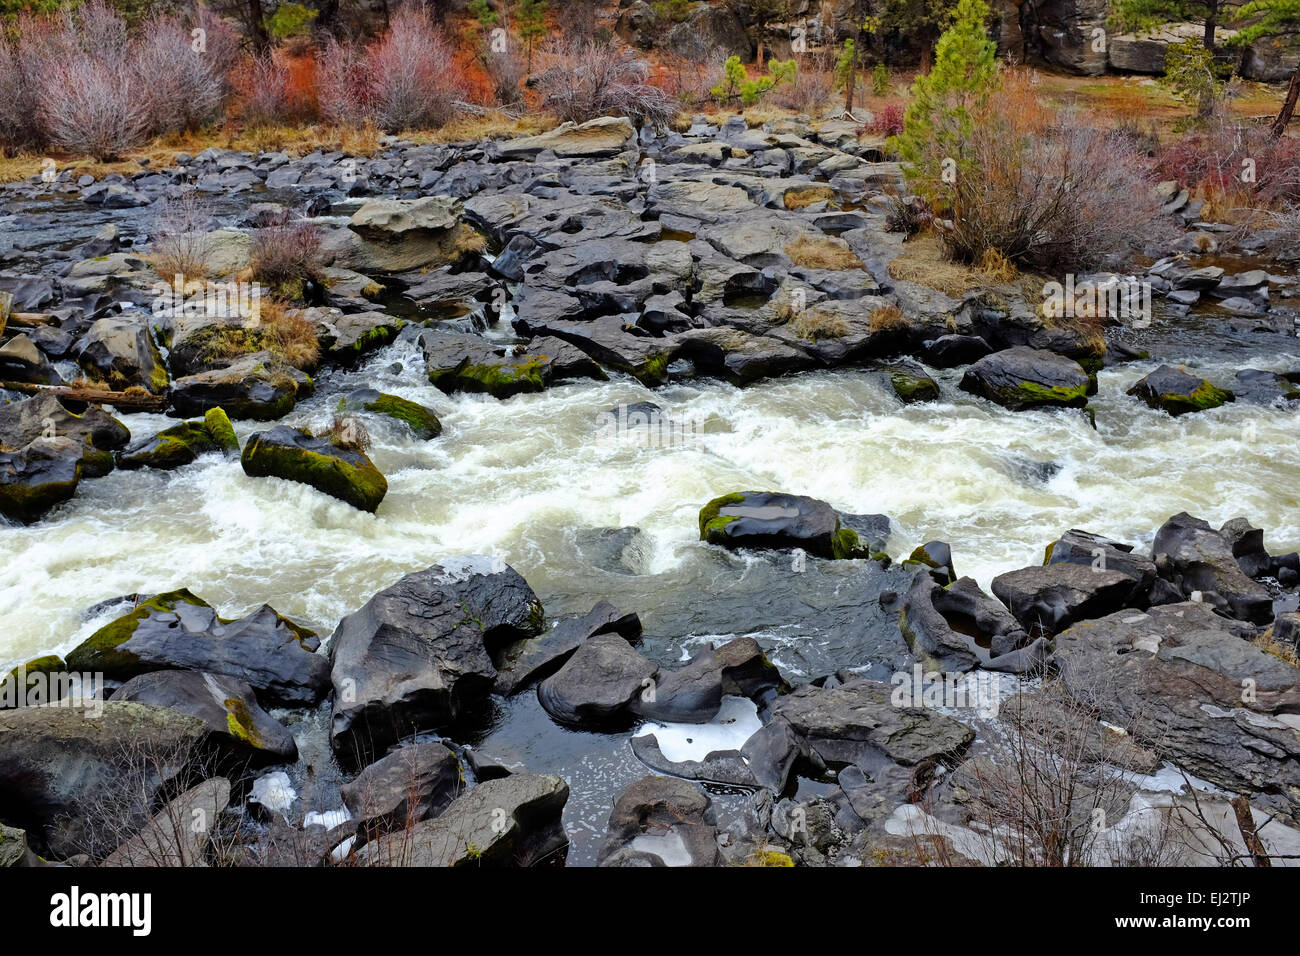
{"x": 766, "y": 519}
{"x": 422, "y": 421}
{"x": 178, "y": 631}
{"x": 338, "y": 470}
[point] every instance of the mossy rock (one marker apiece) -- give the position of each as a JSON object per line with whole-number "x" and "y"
{"x": 321, "y": 462}
{"x": 501, "y": 379}
{"x": 1022, "y": 378}
{"x": 774, "y": 520}
{"x": 14, "y": 686}
{"x": 42, "y": 475}
{"x": 170, "y": 448}
{"x": 221, "y": 431}
{"x": 422, "y": 421}
{"x": 913, "y": 385}
{"x": 102, "y": 650}
{"x": 1178, "y": 392}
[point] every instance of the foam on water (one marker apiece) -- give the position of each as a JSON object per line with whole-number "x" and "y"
{"x": 511, "y": 478}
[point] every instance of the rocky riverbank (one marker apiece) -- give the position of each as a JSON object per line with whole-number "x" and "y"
{"x": 763, "y": 683}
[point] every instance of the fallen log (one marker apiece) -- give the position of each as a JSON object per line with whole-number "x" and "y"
{"x": 140, "y": 401}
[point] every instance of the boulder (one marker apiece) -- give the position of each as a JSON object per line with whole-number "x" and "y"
{"x": 345, "y": 337}
{"x": 1049, "y": 598}
{"x": 1196, "y": 558}
{"x": 661, "y": 821}
{"x": 257, "y": 386}
{"x": 401, "y": 235}
{"x": 598, "y": 682}
{"x": 459, "y": 362}
{"x": 227, "y": 706}
{"x": 958, "y": 627}
{"x": 96, "y": 433}
{"x": 120, "y": 351}
{"x": 22, "y": 361}
{"x": 14, "y": 851}
{"x": 178, "y": 631}
{"x": 181, "y": 444}
{"x": 416, "y": 655}
{"x": 59, "y": 762}
{"x": 1104, "y": 554}
{"x": 1020, "y": 378}
{"x": 513, "y": 821}
{"x": 1185, "y": 682}
{"x": 911, "y": 384}
{"x": 42, "y": 474}
{"x": 1178, "y": 392}
{"x": 324, "y": 462}
{"x": 532, "y": 658}
{"x": 765, "y": 519}
{"x": 178, "y": 834}
{"x": 603, "y": 136}
{"x": 693, "y": 693}
{"x": 411, "y": 784}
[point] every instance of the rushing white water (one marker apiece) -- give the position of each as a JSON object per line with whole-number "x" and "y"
{"x": 513, "y": 478}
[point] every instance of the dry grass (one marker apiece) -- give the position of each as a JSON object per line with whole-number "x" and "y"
{"x": 494, "y": 125}
{"x": 822, "y": 252}
{"x": 1269, "y": 645}
{"x": 348, "y": 431}
{"x": 298, "y": 141}
{"x": 278, "y": 328}
{"x": 924, "y": 263}
{"x": 888, "y": 318}
{"x": 801, "y": 197}
{"x": 997, "y": 266}
{"x": 813, "y": 324}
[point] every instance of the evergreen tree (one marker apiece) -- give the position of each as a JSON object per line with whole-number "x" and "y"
{"x": 939, "y": 117}
{"x": 1273, "y": 18}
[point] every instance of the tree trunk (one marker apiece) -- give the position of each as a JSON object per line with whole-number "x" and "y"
{"x": 852, "y": 80}
{"x": 94, "y": 396}
{"x": 1288, "y": 105}
{"x": 256, "y": 28}
{"x": 1211, "y": 21}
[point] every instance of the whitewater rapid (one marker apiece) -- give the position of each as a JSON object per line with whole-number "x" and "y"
{"x": 517, "y": 478}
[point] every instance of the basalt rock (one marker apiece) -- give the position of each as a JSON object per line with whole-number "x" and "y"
{"x": 536, "y": 657}
{"x": 323, "y": 462}
{"x": 1020, "y": 378}
{"x": 959, "y": 627}
{"x": 421, "y": 420}
{"x": 413, "y": 783}
{"x": 661, "y": 821}
{"x": 693, "y": 693}
{"x": 764, "y": 519}
{"x": 1178, "y": 392}
{"x": 227, "y": 706}
{"x": 178, "y": 631}
{"x": 256, "y": 386}
{"x": 1049, "y": 598}
{"x": 416, "y": 655}
{"x": 1196, "y": 558}
{"x": 598, "y": 682}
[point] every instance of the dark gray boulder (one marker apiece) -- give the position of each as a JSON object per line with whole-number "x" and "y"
{"x": 416, "y": 655}
{"x": 959, "y": 627}
{"x": 521, "y": 663}
{"x": 766, "y": 519}
{"x": 413, "y": 783}
{"x": 513, "y": 821}
{"x": 598, "y": 682}
{"x": 1049, "y": 598}
{"x": 693, "y": 693}
{"x": 1021, "y": 378}
{"x": 1179, "y": 392}
{"x": 228, "y": 708}
{"x": 179, "y": 631}
{"x": 324, "y": 462}
{"x": 1196, "y": 558}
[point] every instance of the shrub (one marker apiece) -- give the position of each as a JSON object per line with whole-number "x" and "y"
{"x": 1046, "y": 192}
{"x": 265, "y": 91}
{"x": 672, "y": 11}
{"x": 180, "y": 245}
{"x": 278, "y": 328}
{"x": 506, "y": 72}
{"x": 888, "y": 120}
{"x": 583, "y": 79}
{"x": 186, "y": 87}
{"x": 286, "y": 256}
{"x": 414, "y": 79}
{"x": 91, "y": 99}
{"x": 342, "y": 85}
{"x": 1247, "y": 164}
{"x": 810, "y": 89}
{"x": 815, "y": 325}
{"x": 19, "y": 125}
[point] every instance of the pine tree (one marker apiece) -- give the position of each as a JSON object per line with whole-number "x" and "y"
{"x": 1148, "y": 14}
{"x": 531, "y": 17}
{"x": 1273, "y": 18}
{"x": 939, "y": 117}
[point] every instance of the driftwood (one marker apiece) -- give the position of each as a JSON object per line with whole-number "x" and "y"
{"x": 135, "y": 401}
{"x": 26, "y": 320}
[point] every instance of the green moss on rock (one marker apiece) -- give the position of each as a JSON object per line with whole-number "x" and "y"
{"x": 104, "y": 651}
{"x": 713, "y": 524}
{"x": 422, "y": 421}
{"x": 221, "y": 431}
